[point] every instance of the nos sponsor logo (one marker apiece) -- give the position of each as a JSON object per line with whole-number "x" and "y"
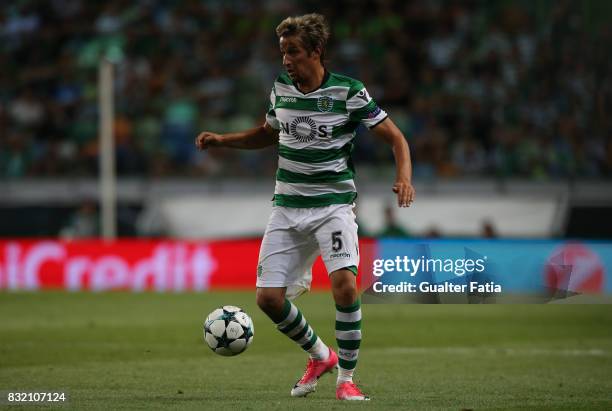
{"x": 304, "y": 129}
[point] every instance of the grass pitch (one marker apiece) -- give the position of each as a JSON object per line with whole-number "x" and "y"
{"x": 145, "y": 351}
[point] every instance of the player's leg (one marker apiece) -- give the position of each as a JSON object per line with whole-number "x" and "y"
{"x": 348, "y": 332}
{"x": 290, "y": 321}
{"x": 348, "y": 322}
{"x": 339, "y": 247}
{"x": 322, "y": 359}
{"x": 283, "y": 256}
{"x": 284, "y": 271}
{"x": 271, "y": 301}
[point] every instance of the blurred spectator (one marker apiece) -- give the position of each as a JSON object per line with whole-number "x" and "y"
{"x": 506, "y": 89}
{"x": 432, "y": 232}
{"x": 392, "y": 228}
{"x": 488, "y": 230}
{"x": 84, "y": 223}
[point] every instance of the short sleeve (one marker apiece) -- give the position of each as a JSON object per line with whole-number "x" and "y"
{"x": 271, "y": 113}
{"x": 362, "y": 108}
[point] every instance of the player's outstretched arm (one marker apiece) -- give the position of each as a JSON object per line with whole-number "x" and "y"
{"x": 258, "y": 137}
{"x": 388, "y": 131}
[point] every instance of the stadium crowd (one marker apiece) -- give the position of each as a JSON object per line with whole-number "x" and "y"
{"x": 507, "y": 89}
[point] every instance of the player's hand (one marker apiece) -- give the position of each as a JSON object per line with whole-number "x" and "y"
{"x": 206, "y": 139}
{"x": 405, "y": 192}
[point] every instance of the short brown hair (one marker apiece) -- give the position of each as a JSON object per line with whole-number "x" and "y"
{"x": 312, "y": 29}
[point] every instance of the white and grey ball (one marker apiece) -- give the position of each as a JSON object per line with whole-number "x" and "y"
{"x": 228, "y": 330}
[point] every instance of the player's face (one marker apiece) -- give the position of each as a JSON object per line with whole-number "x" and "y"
{"x": 296, "y": 59}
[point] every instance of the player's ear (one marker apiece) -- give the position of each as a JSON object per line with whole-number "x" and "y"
{"x": 317, "y": 52}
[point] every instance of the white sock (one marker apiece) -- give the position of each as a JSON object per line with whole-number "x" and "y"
{"x": 319, "y": 351}
{"x": 348, "y": 336}
{"x": 345, "y": 375}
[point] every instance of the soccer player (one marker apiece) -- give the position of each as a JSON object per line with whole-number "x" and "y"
{"x": 312, "y": 118}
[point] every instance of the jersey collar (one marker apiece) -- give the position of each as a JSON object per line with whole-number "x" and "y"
{"x": 325, "y": 78}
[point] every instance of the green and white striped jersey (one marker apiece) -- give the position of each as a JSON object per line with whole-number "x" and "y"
{"x": 316, "y": 132}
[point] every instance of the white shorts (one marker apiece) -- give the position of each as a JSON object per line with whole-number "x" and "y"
{"x": 295, "y": 237}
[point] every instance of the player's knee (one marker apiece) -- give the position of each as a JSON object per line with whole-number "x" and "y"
{"x": 345, "y": 293}
{"x": 269, "y": 302}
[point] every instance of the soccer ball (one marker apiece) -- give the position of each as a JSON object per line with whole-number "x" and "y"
{"x": 228, "y": 330}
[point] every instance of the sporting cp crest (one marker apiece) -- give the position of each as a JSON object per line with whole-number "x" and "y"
{"x": 325, "y": 103}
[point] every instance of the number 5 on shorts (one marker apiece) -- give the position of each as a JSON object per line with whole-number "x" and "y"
{"x": 336, "y": 240}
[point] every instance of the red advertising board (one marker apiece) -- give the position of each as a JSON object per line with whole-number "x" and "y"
{"x": 139, "y": 265}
